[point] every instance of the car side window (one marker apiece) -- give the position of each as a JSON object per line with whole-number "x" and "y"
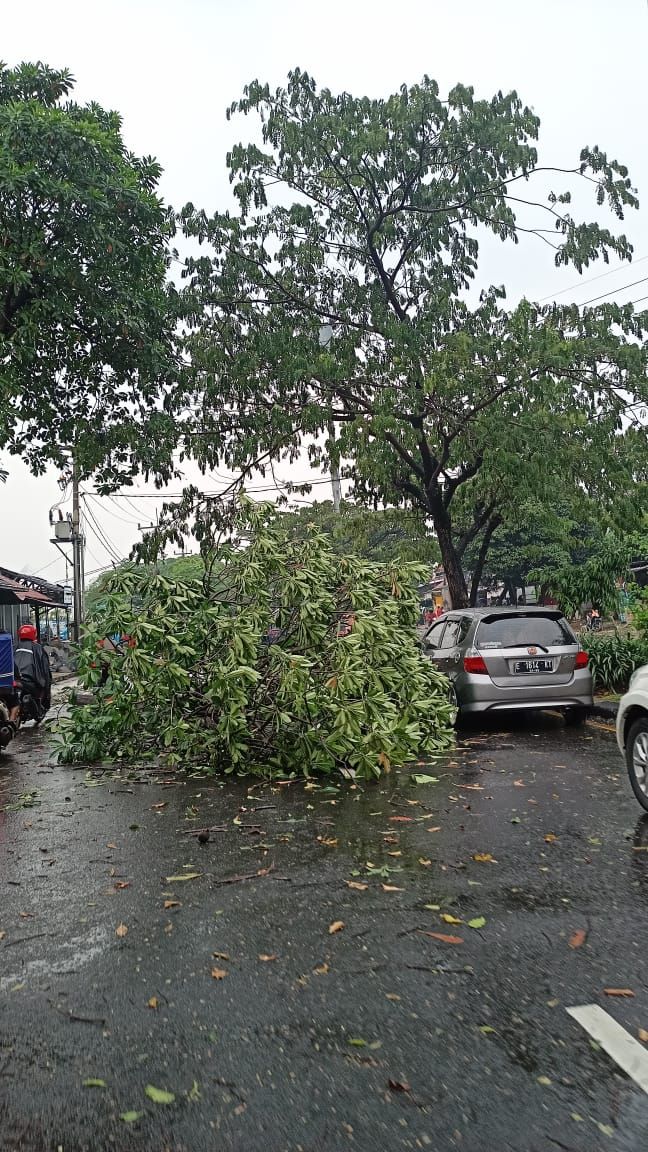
{"x": 464, "y": 629}
{"x": 450, "y": 636}
{"x": 433, "y": 637}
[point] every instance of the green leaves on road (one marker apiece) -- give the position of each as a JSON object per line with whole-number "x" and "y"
{"x": 159, "y": 1095}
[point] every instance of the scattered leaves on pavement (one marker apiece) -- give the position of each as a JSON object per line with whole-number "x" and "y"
{"x": 321, "y": 969}
{"x": 449, "y": 919}
{"x": 643, "y": 1035}
{"x": 218, "y": 973}
{"x": 183, "y": 876}
{"x": 423, "y": 779}
{"x": 357, "y": 1042}
{"x": 401, "y": 819}
{"x": 618, "y": 991}
{"x": 159, "y": 1095}
{"x": 437, "y": 829}
{"x": 172, "y": 904}
{"x": 443, "y": 938}
{"x": 391, "y": 888}
{"x": 121, "y": 930}
{"x": 550, "y": 838}
{"x": 399, "y": 1086}
{"x": 423, "y": 862}
{"x": 266, "y": 957}
{"x": 130, "y": 1117}
{"x": 477, "y": 922}
{"x": 359, "y": 887}
{"x": 484, "y": 858}
{"x": 153, "y": 1002}
{"x": 544, "y": 1080}
{"x": 486, "y": 1029}
{"x": 220, "y": 955}
{"x": 336, "y": 926}
{"x": 578, "y": 938}
{"x": 93, "y": 1082}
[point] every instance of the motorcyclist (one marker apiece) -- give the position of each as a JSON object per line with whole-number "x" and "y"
{"x": 33, "y": 667}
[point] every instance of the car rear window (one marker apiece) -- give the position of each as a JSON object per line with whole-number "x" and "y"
{"x": 523, "y": 631}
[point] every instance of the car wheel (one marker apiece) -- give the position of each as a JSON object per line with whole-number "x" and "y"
{"x": 637, "y": 759}
{"x": 575, "y": 716}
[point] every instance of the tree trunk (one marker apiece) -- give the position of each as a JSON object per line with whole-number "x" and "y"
{"x": 481, "y": 558}
{"x": 454, "y": 575}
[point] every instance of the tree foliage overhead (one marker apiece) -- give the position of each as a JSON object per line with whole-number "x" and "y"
{"x": 383, "y": 535}
{"x": 365, "y": 216}
{"x": 86, "y": 315}
{"x": 343, "y": 685}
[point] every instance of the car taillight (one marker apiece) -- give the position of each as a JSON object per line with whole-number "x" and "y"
{"x": 476, "y": 665}
{"x": 582, "y": 660}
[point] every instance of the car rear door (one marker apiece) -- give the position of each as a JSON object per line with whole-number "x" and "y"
{"x": 432, "y": 639}
{"x": 448, "y": 657}
{"x": 527, "y": 649}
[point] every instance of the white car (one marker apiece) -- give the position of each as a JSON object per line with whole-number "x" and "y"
{"x": 632, "y": 733}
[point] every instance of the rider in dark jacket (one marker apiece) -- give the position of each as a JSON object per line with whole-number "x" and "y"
{"x": 33, "y": 666}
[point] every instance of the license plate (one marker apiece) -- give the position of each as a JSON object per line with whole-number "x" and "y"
{"x": 533, "y": 666}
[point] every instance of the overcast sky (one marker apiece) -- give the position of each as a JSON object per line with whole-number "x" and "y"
{"x": 171, "y": 67}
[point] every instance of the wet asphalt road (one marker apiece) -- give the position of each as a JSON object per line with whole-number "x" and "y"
{"x": 376, "y": 1036}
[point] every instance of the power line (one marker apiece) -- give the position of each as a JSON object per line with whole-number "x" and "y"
{"x": 591, "y": 279}
{"x": 613, "y": 291}
{"x": 99, "y": 533}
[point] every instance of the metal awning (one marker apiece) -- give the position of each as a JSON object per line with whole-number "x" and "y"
{"x": 16, "y": 588}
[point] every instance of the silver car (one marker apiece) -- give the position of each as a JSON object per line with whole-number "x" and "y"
{"x": 632, "y": 733}
{"x": 502, "y": 659}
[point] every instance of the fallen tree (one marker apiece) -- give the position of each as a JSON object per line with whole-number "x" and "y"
{"x": 285, "y": 658}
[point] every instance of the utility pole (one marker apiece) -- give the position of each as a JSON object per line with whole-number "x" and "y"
{"x": 78, "y": 543}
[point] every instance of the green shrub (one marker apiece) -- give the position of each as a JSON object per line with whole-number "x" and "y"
{"x": 343, "y": 685}
{"x": 613, "y": 659}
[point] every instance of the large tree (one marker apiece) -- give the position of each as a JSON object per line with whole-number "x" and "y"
{"x": 87, "y": 317}
{"x": 362, "y": 218}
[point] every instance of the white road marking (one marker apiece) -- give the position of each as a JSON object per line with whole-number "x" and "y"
{"x": 619, "y": 1044}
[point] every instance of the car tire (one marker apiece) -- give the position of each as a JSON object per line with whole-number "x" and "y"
{"x": 574, "y": 717}
{"x": 636, "y": 750}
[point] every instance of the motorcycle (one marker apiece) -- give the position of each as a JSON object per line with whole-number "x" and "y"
{"x": 31, "y": 707}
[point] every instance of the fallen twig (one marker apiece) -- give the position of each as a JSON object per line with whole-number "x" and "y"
{"x": 201, "y": 831}
{"x": 24, "y": 939}
{"x": 70, "y": 1015}
{"x": 249, "y": 876}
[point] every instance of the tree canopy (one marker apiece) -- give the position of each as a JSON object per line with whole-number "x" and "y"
{"x": 87, "y": 317}
{"x": 364, "y": 217}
